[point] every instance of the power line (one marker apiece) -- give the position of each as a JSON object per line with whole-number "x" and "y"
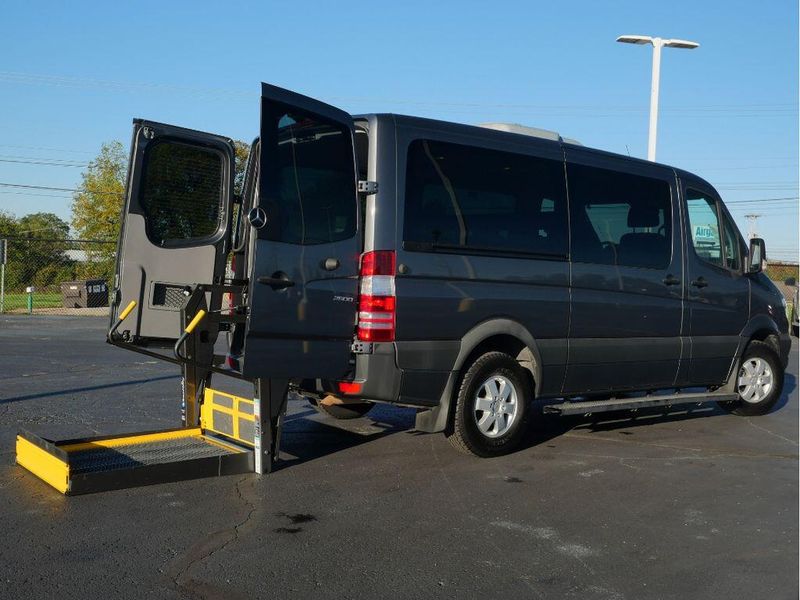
{"x": 58, "y": 189}
{"x": 80, "y": 82}
{"x": 763, "y": 201}
{"x": 48, "y": 149}
{"x": 44, "y": 163}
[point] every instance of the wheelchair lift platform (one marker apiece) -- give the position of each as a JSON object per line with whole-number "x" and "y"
{"x": 222, "y": 445}
{"x": 222, "y": 434}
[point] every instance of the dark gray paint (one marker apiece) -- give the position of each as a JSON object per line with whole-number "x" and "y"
{"x": 591, "y": 328}
{"x": 626, "y": 323}
{"x": 443, "y": 296}
{"x": 304, "y": 330}
{"x": 718, "y": 312}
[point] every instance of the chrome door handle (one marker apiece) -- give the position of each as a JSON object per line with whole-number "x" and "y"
{"x": 671, "y": 280}
{"x": 700, "y": 282}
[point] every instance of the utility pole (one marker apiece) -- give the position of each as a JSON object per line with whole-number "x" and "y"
{"x": 752, "y": 228}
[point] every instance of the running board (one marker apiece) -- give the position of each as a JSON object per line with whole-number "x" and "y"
{"x": 596, "y": 406}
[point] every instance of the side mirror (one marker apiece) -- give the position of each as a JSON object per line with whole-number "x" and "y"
{"x": 758, "y": 254}
{"x": 790, "y": 281}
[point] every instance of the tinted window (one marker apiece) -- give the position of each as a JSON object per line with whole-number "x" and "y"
{"x": 310, "y": 184}
{"x": 181, "y": 193}
{"x": 483, "y": 200}
{"x": 704, "y": 225}
{"x": 619, "y": 218}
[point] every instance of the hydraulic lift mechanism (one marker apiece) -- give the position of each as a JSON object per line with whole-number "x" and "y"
{"x": 222, "y": 434}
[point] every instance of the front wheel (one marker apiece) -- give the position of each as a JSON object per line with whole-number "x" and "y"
{"x": 491, "y": 406}
{"x": 759, "y": 381}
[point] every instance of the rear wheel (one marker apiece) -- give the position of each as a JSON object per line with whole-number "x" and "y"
{"x": 491, "y": 406}
{"x": 352, "y": 410}
{"x": 759, "y": 381}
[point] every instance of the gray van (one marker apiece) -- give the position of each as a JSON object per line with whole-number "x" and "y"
{"x": 461, "y": 270}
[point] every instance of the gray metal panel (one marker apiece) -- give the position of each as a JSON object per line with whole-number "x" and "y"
{"x": 427, "y": 355}
{"x": 626, "y": 312}
{"x": 717, "y": 313}
{"x": 141, "y": 264}
{"x": 303, "y": 331}
{"x": 445, "y": 296}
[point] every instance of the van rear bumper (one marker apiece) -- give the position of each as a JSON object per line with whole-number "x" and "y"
{"x": 408, "y": 373}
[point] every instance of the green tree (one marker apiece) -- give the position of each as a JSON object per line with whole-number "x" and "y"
{"x": 242, "y": 152}
{"x": 97, "y": 204}
{"x": 96, "y": 209}
{"x": 37, "y": 250}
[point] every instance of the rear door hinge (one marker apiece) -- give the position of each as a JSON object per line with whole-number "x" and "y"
{"x": 367, "y": 187}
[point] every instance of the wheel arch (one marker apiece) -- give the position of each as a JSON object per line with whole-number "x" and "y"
{"x": 505, "y": 335}
{"x": 760, "y": 328}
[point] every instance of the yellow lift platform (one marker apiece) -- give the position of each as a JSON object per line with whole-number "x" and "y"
{"x": 227, "y": 435}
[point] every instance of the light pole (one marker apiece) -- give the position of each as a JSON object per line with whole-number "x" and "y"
{"x": 657, "y": 44}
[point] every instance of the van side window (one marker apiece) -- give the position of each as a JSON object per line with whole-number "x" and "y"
{"x": 182, "y": 193}
{"x": 478, "y": 199}
{"x": 310, "y": 196}
{"x": 732, "y": 252}
{"x": 619, "y": 218}
{"x": 704, "y": 224}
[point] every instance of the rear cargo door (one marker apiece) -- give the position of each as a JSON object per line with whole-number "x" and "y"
{"x": 305, "y": 241}
{"x": 175, "y": 226}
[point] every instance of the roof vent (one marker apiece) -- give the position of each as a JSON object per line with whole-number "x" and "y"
{"x": 531, "y": 131}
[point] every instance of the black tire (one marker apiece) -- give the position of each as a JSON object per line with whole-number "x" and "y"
{"x": 353, "y": 410}
{"x": 764, "y": 352}
{"x": 464, "y": 432}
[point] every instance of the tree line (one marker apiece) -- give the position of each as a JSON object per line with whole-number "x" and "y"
{"x": 41, "y": 250}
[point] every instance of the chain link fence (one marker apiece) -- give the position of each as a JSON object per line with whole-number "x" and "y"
{"x": 57, "y": 276}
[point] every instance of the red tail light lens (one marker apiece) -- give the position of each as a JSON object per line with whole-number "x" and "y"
{"x": 377, "y": 302}
{"x": 381, "y": 262}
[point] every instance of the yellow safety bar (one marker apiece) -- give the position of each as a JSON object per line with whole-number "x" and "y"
{"x": 128, "y": 309}
{"x": 122, "y": 316}
{"x": 196, "y": 321}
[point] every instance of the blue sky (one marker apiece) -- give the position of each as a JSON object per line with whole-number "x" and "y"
{"x": 73, "y": 75}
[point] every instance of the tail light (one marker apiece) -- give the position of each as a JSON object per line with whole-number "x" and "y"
{"x": 377, "y": 301}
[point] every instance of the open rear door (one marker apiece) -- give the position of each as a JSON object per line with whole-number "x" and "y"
{"x": 305, "y": 241}
{"x": 175, "y": 226}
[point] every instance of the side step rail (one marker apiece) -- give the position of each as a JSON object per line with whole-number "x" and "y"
{"x": 596, "y": 406}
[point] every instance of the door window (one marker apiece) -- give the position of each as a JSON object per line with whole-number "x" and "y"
{"x": 483, "y": 201}
{"x": 619, "y": 218}
{"x": 182, "y": 193}
{"x": 310, "y": 196}
{"x": 732, "y": 247}
{"x": 704, "y": 224}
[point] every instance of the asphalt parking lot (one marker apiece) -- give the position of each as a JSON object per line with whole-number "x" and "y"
{"x": 683, "y": 505}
